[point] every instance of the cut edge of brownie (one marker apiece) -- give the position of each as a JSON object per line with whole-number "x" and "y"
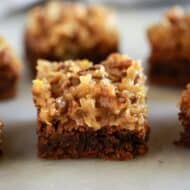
{"x": 108, "y": 143}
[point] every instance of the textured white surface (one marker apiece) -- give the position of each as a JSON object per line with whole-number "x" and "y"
{"x": 164, "y": 167}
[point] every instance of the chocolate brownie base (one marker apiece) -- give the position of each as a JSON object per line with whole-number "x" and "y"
{"x": 8, "y": 83}
{"x": 175, "y": 72}
{"x": 108, "y": 143}
{"x": 185, "y": 134}
{"x": 8, "y": 92}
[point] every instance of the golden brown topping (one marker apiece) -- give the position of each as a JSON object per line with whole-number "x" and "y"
{"x": 92, "y": 95}
{"x": 69, "y": 28}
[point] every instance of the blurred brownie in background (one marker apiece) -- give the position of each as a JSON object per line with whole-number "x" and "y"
{"x": 92, "y": 111}
{"x": 169, "y": 61}
{"x": 60, "y": 31}
{"x": 10, "y": 68}
{"x": 184, "y": 117}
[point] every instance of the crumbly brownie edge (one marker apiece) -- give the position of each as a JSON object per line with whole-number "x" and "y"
{"x": 168, "y": 72}
{"x": 108, "y": 143}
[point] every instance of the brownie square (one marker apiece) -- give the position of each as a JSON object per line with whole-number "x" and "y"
{"x": 10, "y": 68}
{"x": 184, "y": 118}
{"x": 169, "y": 62}
{"x": 91, "y": 111}
{"x": 61, "y": 30}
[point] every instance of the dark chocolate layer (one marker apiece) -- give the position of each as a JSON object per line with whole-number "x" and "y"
{"x": 84, "y": 142}
{"x": 175, "y": 72}
{"x": 8, "y": 83}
